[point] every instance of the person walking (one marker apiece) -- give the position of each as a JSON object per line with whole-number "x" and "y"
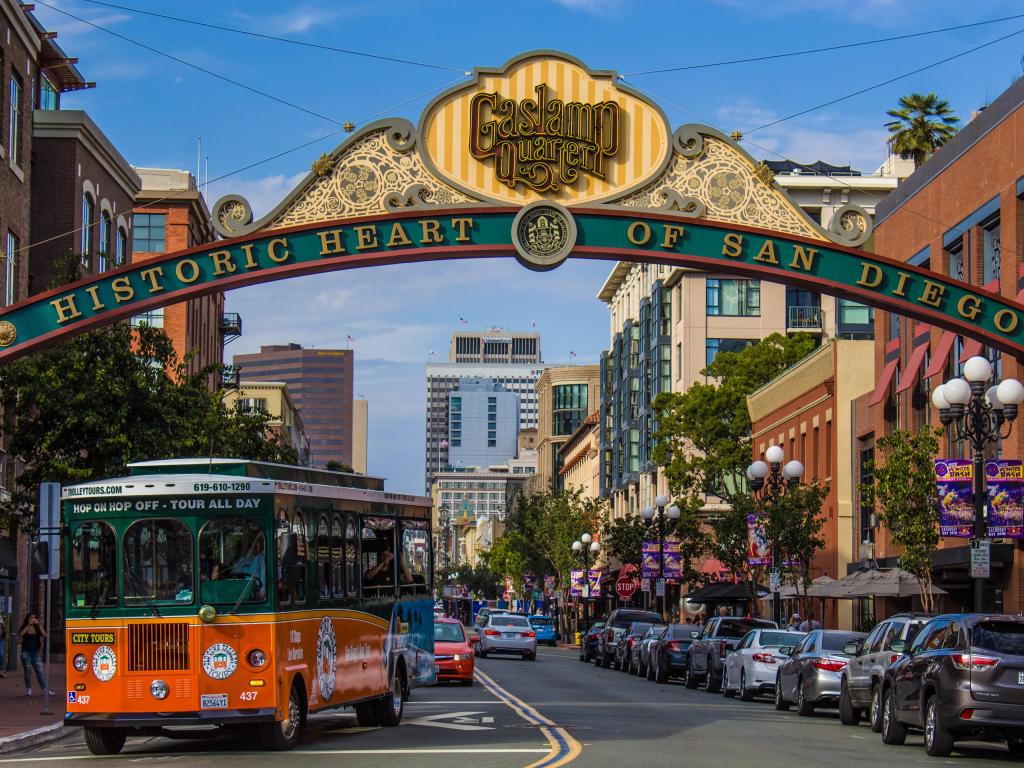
{"x": 32, "y": 635}
{"x": 794, "y": 622}
{"x": 810, "y": 623}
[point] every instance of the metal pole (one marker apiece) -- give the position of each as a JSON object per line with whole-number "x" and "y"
{"x": 46, "y": 665}
{"x": 661, "y": 558}
{"x": 980, "y": 498}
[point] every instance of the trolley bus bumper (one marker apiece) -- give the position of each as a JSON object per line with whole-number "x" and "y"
{"x": 160, "y": 720}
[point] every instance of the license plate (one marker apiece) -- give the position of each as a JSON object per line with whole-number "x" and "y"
{"x": 1020, "y": 678}
{"x": 511, "y": 634}
{"x": 213, "y": 701}
{"x": 437, "y": 668}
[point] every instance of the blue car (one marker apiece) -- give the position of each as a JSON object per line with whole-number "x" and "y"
{"x": 545, "y": 629}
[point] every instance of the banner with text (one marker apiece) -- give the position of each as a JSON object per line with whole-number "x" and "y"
{"x": 954, "y": 479}
{"x": 577, "y": 582}
{"x": 1005, "y": 483}
{"x": 758, "y": 550}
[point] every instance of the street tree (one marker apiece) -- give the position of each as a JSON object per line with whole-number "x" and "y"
{"x": 921, "y": 124}
{"x": 623, "y": 537}
{"x": 84, "y": 409}
{"x": 792, "y": 524}
{"x": 905, "y": 499}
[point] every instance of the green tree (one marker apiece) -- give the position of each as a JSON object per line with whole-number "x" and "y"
{"x": 906, "y": 501}
{"x": 623, "y": 537}
{"x": 507, "y": 560}
{"x": 923, "y": 123}
{"x": 86, "y": 408}
{"x": 792, "y": 523}
{"x": 337, "y": 466}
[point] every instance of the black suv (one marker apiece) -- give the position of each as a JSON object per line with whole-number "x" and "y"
{"x": 615, "y": 627}
{"x": 961, "y": 677}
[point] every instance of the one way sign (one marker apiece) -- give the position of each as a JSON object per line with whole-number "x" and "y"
{"x": 456, "y": 721}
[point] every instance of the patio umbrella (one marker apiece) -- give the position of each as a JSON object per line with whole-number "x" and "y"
{"x": 790, "y": 592}
{"x": 890, "y": 582}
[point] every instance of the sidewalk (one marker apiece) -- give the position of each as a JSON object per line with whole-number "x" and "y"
{"x": 21, "y": 723}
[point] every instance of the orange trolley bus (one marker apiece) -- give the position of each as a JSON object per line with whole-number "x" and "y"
{"x": 242, "y": 594}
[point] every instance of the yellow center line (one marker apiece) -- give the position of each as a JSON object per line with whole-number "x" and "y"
{"x": 564, "y": 748}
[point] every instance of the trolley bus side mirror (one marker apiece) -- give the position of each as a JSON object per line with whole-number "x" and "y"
{"x": 288, "y": 546}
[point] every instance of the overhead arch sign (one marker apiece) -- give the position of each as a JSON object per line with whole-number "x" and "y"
{"x": 541, "y": 160}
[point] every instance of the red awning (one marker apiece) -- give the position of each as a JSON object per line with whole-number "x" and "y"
{"x": 884, "y": 382}
{"x": 938, "y": 362}
{"x": 972, "y": 347}
{"x": 916, "y": 359}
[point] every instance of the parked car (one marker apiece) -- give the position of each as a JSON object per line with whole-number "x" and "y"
{"x": 710, "y": 647}
{"x": 505, "y": 633}
{"x": 616, "y": 625}
{"x": 589, "y": 640}
{"x": 670, "y": 653}
{"x": 544, "y": 626}
{"x": 639, "y": 660}
{"x": 811, "y": 676}
{"x": 750, "y": 669}
{"x": 861, "y": 684}
{"x": 453, "y": 651}
{"x": 962, "y": 677}
{"x": 481, "y": 618}
{"x": 627, "y": 643}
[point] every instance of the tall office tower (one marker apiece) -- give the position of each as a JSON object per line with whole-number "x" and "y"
{"x": 320, "y": 383}
{"x": 483, "y": 424}
{"x": 495, "y": 345}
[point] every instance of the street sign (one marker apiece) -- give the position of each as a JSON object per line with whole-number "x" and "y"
{"x": 981, "y": 558}
{"x": 775, "y": 580}
{"x": 659, "y": 590}
{"x": 625, "y": 587}
{"x": 645, "y": 585}
{"x": 49, "y": 526}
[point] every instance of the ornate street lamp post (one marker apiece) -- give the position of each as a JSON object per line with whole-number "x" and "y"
{"x": 673, "y": 514}
{"x": 586, "y": 547}
{"x": 977, "y": 416}
{"x": 769, "y": 481}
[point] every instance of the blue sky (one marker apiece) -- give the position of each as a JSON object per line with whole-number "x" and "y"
{"x": 153, "y": 109}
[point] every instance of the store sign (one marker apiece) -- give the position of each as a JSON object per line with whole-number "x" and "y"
{"x": 954, "y": 483}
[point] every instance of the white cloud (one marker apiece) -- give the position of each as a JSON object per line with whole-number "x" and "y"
{"x": 262, "y": 193}
{"x": 302, "y": 18}
{"x": 882, "y": 13}
{"x": 69, "y": 28}
{"x": 596, "y": 7}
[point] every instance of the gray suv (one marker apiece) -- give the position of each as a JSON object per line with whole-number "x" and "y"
{"x": 862, "y": 677}
{"x": 614, "y": 630}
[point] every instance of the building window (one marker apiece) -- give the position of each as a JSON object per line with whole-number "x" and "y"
{"x": 803, "y": 308}
{"x": 714, "y": 346}
{"x": 87, "y": 210}
{"x": 854, "y": 313}
{"x": 14, "y": 121}
{"x": 103, "y": 246}
{"x": 956, "y": 260}
{"x": 991, "y": 251}
{"x": 154, "y": 319}
{"x": 570, "y": 408}
{"x": 149, "y": 233}
{"x": 49, "y": 97}
{"x": 120, "y": 247}
{"x": 10, "y": 273}
{"x": 733, "y": 298}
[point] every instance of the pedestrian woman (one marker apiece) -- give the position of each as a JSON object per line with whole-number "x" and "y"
{"x": 32, "y": 634}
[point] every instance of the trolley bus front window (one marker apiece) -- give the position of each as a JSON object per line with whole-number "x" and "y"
{"x": 158, "y": 562}
{"x": 93, "y": 566}
{"x": 233, "y": 561}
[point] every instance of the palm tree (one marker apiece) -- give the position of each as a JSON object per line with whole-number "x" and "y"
{"x": 923, "y": 123}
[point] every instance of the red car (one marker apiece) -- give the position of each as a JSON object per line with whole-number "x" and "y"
{"x": 453, "y": 652}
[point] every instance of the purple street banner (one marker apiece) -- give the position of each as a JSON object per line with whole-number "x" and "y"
{"x": 649, "y": 562}
{"x": 954, "y": 480}
{"x": 595, "y": 582}
{"x": 673, "y": 559}
{"x": 576, "y": 583}
{"x": 758, "y": 550}
{"x": 549, "y": 585}
{"x": 1005, "y": 482}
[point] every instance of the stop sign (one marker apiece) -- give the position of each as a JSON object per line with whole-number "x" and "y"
{"x": 625, "y": 587}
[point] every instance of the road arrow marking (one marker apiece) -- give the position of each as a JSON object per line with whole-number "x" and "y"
{"x": 460, "y": 721}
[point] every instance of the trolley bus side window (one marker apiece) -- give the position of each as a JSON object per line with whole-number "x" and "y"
{"x": 233, "y": 561}
{"x": 379, "y": 561}
{"x": 291, "y": 567}
{"x": 93, "y": 566}
{"x": 351, "y": 557}
{"x": 337, "y": 557}
{"x": 415, "y": 556}
{"x": 158, "y": 561}
{"x": 323, "y": 557}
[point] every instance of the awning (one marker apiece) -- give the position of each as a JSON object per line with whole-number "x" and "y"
{"x": 723, "y": 592}
{"x": 884, "y": 381}
{"x": 916, "y": 359}
{"x": 938, "y": 361}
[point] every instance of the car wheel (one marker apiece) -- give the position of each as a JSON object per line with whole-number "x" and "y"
{"x": 606, "y": 661}
{"x": 893, "y": 731}
{"x": 804, "y": 708}
{"x": 848, "y": 714}
{"x": 938, "y": 741}
{"x": 105, "y": 741}
{"x": 712, "y": 684}
{"x": 725, "y": 685}
{"x": 746, "y": 694}
{"x": 652, "y": 670}
{"x": 1016, "y": 746}
{"x": 691, "y": 681}
{"x": 875, "y": 713}
{"x": 780, "y": 702}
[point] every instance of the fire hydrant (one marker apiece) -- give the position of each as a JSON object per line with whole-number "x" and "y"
{"x": 578, "y": 636}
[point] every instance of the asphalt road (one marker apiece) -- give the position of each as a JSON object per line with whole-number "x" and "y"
{"x": 545, "y": 714}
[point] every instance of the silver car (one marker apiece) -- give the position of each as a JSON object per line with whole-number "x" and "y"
{"x": 750, "y": 670}
{"x": 504, "y": 633}
{"x": 812, "y": 675}
{"x": 640, "y": 661}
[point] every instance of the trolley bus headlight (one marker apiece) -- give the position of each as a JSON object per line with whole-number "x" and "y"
{"x": 207, "y": 614}
{"x": 159, "y": 689}
{"x": 80, "y": 663}
{"x": 256, "y": 658}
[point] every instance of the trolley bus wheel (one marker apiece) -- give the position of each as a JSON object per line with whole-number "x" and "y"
{"x": 105, "y": 741}
{"x": 366, "y": 714}
{"x": 285, "y": 734}
{"x": 392, "y": 704}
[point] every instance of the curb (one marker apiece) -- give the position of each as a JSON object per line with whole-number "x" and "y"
{"x": 33, "y": 738}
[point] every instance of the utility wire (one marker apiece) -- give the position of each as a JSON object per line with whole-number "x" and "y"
{"x": 291, "y": 41}
{"x": 187, "y": 63}
{"x": 789, "y": 54}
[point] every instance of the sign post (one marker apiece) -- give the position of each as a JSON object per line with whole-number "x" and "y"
{"x": 49, "y": 541}
{"x": 625, "y": 588}
{"x": 981, "y": 558}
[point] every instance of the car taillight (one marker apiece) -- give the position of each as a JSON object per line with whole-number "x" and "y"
{"x": 893, "y": 657}
{"x": 972, "y": 661}
{"x": 630, "y": 642}
{"x": 764, "y": 658}
{"x": 967, "y": 714}
{"x": 721, "y": 648}
{"x": 674, "y": 646}
{"x": 529, "y": 634}
{"x": 829, "y": 665}
{"x": 492, "y": 633}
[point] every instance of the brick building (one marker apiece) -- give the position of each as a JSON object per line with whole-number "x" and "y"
{"x": 959, "y": 214}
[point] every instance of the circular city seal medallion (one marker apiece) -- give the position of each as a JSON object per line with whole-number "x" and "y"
{"x": 326, "y": 658}
{"x": 104, "y": 663}
{"x": 543, "y": 233}
{"x": 220, "y": 661}
{"x": 8, "y": 333}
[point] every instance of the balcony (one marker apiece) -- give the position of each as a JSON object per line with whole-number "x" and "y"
{"x": 230, "y": 327}
{"x": 803, "y": 318}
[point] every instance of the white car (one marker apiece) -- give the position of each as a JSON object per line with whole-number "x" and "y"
{"x": 751, "y": 669}
{"x": 505, "y": 633}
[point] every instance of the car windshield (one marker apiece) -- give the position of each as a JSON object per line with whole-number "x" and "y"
{"x": 448, "y": 632}
{"x": 638, "y": 628}
{"x": 158, "y": 561}
{"x": 834, "y": 641}
{"x": 779, "y": 639}
{"x": 509, "y": 621}
{"x": 1000, "y": 636}
{"x": 626, "y": 618}
{"x": 738, "y": 627}
{"x": 682, "y": 631}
